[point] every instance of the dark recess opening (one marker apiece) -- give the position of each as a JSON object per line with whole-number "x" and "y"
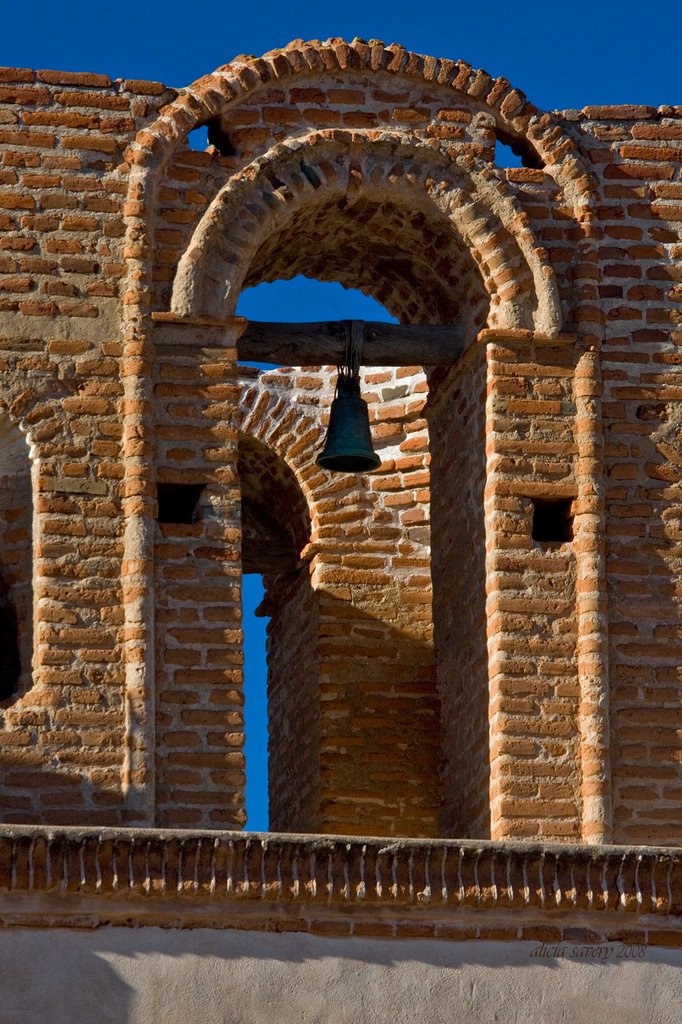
{"x": 552, "y": 520}
{"x": 219, "y": 138}
{"x": 10, "y": 665}
{"x": 178, "y": 502}
{"x": 520, "y": 148}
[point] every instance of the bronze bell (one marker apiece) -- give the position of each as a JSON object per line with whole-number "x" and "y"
{"x": 348, "y": 445}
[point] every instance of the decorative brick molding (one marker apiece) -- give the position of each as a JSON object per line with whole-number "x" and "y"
{"x": 304, "y": 60}
{"x": 324, "y": 167}
{"x": 343, "y": 885}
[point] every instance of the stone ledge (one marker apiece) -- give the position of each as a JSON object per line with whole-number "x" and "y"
{"x": 87, "y": 877}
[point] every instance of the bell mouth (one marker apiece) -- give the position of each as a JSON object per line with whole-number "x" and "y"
{"x": 349, "y": 462}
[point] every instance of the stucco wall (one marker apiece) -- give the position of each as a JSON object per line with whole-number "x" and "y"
{"x": 129, "y": 976}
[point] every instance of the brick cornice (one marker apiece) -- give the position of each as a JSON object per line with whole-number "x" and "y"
{"x": 88, "y": 877}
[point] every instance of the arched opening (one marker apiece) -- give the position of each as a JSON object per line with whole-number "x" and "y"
{"x": 275, "y": 531}
{"x": 384, "y": 266}
{"x": 16, "y": 566}
{"x": 299, "y": 299}
{"x": 507, "y": 278}
{"x": 417, "y": 267}
{"x": 360, "y": 691}
{"x": 407, "y": 259}
{"x": 432, "y": 240}
{"x": 435, "y": 244}
{"x": 385, "y": 253}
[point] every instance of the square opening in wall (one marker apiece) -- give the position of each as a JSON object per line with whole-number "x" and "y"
{"x": 178, "y": 502}
{"x": 552, "y": 520}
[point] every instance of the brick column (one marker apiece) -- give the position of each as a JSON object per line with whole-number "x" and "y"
{"x": 591, "y": 604}
{"x": 200, "y": 777}
{"x": 535, "y": 781}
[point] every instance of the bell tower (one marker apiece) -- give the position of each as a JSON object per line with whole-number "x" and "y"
{"x": 475, "y": 643}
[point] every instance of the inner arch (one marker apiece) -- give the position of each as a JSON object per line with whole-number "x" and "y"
{"x": 275, "y": 517}
{"x": 412, "y": 263}
{"x": 430, "y": 239}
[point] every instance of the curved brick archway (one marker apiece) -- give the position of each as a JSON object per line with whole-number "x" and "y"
{"x": 504, "y": 109}
{"x": 448, "y": 232}
{"x": 292, "y": 434}
{"x": 275, "y": 519}
{"x": 245, "y": 76}
{"x": 352, "y": 688}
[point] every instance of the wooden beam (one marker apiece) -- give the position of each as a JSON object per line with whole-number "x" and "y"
{"x": 316, "y": 344}
{"x": 321, "y": 344}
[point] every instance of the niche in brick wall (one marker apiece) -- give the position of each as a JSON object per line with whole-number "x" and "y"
{"x": 178, "y": 503}
{"x": 552, "y": 520}
{"x": 16, "y": 561}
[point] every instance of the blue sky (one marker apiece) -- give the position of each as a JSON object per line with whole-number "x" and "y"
{"x": 562, "y": 55}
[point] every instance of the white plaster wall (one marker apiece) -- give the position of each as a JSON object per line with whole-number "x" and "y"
{"x": 156, "y": 976}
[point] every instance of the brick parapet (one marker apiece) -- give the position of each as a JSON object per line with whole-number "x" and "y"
{"x": 403, "y": 888}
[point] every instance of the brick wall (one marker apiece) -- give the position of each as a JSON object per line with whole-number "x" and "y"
{"x": 199, "y": 687}
{"x": 458, "y": 460}
{"x": 638, "y": 153}
{"x": 532, "y": 617}
{"x": 62, "y": 189}
{"x": 294, "y": 696}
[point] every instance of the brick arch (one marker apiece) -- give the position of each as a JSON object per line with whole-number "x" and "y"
{"x": 490, "y": 247}
{"x": 275, "y": 517}
{"x": 147, "y": 158}
{"x": 233, "y": 83}
{"x": 293, "y": 434}
{"x": 244, "y": 76}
